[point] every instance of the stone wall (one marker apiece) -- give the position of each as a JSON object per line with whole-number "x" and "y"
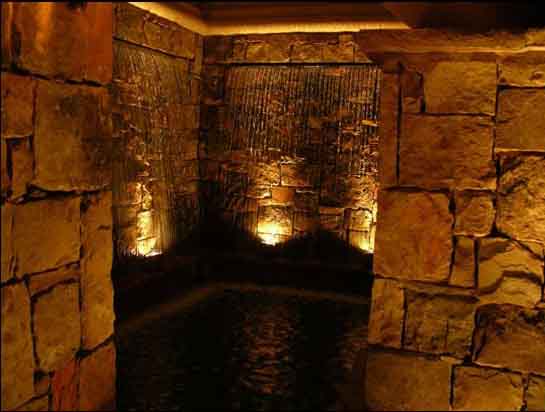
{"x": 155, "y": 103}
{"x": 289, "y": 137}
{"x": 57, "y": 298}
{"x": 458, "y": 311}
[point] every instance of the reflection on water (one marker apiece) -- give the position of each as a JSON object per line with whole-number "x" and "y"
{"x": 242, "y": 350}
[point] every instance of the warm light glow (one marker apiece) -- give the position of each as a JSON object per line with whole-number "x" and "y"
{"x": 269, "y": 233}
{"x": 147, "y": 241}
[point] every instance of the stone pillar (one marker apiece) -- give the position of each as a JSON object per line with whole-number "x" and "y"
{"x": 458, "y": 312}
{"x": 57, "y": 295}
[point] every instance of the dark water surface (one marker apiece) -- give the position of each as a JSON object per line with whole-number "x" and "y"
{"x": 249, "y": 350}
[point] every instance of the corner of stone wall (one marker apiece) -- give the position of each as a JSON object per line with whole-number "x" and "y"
{"x": 56, "y": 139}
{"x": 457, "y": 317}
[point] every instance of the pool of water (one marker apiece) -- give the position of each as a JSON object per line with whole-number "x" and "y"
{"x": 243, "y": 350}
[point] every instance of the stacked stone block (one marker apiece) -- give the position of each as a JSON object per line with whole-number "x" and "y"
{"x": 458, "y": 310}
{"x": 57, "y": 296}
{"x": 156, "y": 97}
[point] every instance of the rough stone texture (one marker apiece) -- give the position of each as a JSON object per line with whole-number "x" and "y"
{"x": 526, "y": 70}
{"x": 57, "y": 328}
{"x": 463, "y": 270}
{"x": 5, "y": 180}
{"x": 73, "y": 137}
{"x": 141, "y": 27}
{"x": 406, "y": 383}
{"x": 76, "y": 47}
{"x": 446, "y": 152}
{"x": 387, "y": 311}
{"x": 388, "y": 130}
{"x": 46, "y": 234}
{"x": 43, "y": 281}
{"x": 521, "y": 198}
{"x": 64, "y": 387}
{"x": 275, "y": 220}
{"x": 17, "y": 349}
{"x": 535, "y": 394}
{"x": 97, "y": 380}
{"x": 22, "y": 166}
{"x": 475, "y": 213}
{"x": 502, "y": 257}
{"x": 477, "y": 389}
{"x": 275, "y": 49}
{"x": 97, "y": 319}
{"x": 7, "y": 252}
{"x": 461, "y": 87}
{"x": 405, "y": 247}
{"x": 17, "y": 105}
{"x": 510, "y": 336}
{"x": 438, "y": 323}
{"x": 520, "y": 120}
{"x": 520, "y": 291}
{"x": 412, "y": 91}
{"x": 37, "y": 404}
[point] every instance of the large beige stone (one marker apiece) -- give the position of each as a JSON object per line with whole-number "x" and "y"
{"x": 97, "y": 318}
{"x": 446, "y": 152}
{"x": 475, "y": 213}
{"x": 44, "y": 281}
{"x": 73, "y": 137}
{"x": 535, "y": 394}
{"x": 22, "y": 166}
{"x": 78, "y": 46}
{"x": 413, "y": 239}
{"x": 461, "y": 87}
{"x": 17, "y": 105}
{"x": 275, "y": 220}
{"x": 500, "y": 257}
{"x": 478, "y": 389}
{"x": 520, "y": 120}
{"x": 439, "y": 324}
{"x": 463, "y": 270}
{"x": 388, "y": 129}
{"x": 510, "y": 336}
{"x": 17, "y": 349}
{"x": 57, "y": 327}
{"x": 521, "y": 198}
{"x": 275, "y": 49}
{"x": 46, "y": 234}
{"x": 97, "y": 380}
{"x": 387, "y": 311}
{"x": 400, "y": 382}
{"x": 7, "y": 253}
{"x": 523, "y": 70}
{"x": 520, "y": 291}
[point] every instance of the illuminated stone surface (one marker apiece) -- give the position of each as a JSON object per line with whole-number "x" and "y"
{"x": 17, "y": 105}
{"x": 387, "y": 312}
{"x": 475, "y": 213}
{"x": 438, "y": 324}
{"x": 38, "y": 404}
{"x": 405, "y": 247}
{"x": 535, "y": 394}
{"x": 5, "y": 180}
{"x": 500, "y": 257}
{"x": 463, "y": 270}
{"x": 275, "y": 220}
{"x": 461, "y": 87}
{"x": 446, "y": 152}
{"x": 7, "y": 253}
{"x": 43, "y": 281}
{"x": 477, "y": 389}
{"x": 46, "y": 234}
{"x": 520, "y": 291}
{"x": 412, "y": 92}
{"x": 527, "y": 70}
{"x": 57, "y": 327}
{"x": 17, "y": 349}
{"x": 22, "y": 166}
{"x": 510, "y": 336}
{"x": 521, "y": 198}
{"x": 97, "y": 380}
{"x": 388, "y": 130}
{"x": 407, "y": 383}
{"x": 97, "y": 320}
{"x": 64, "y": 387}
{"x": 55, "y": 39}
{"x": 520, "y": 119}
{"x": 77, "y": 120}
